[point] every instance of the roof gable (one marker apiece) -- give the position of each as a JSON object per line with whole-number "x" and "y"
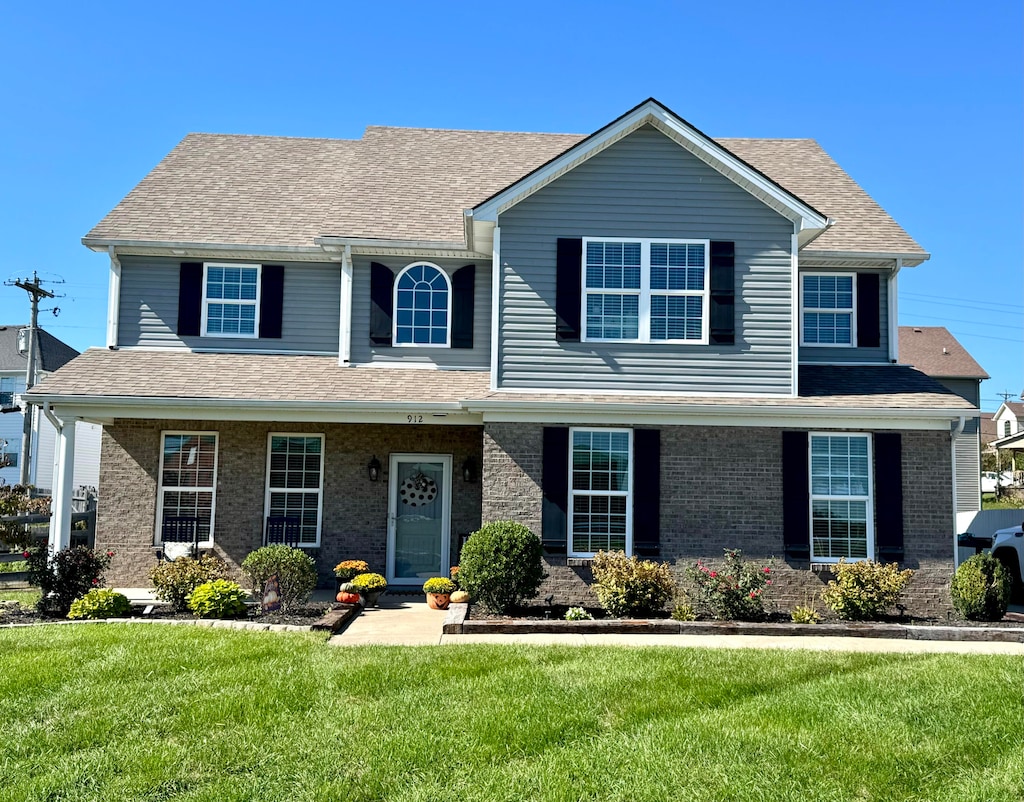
{"x": 936, "y": 352}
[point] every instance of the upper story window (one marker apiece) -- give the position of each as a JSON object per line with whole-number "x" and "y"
{"x": 423, "y": 305}
{"x": 231, "y": 300}
{"x": 645, "y": 290}
{"x": 10, "y": 388}
{"x": 827, "y": 309}
{"x": 1006, "y": 428}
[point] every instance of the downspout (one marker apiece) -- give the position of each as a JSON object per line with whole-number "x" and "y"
{"x": 957, "y": 431}
{"x": 894, "y": 313}
{"x": 53, "y": 419}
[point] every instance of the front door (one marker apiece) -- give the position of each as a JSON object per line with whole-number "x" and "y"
{"x": 419, "y": 517}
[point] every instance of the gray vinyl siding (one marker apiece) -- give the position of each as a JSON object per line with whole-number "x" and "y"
{"x": 839, "y": 356}
{"x": 149, "y": 308}
{"x": 646, "y": 186}
{"x": 967, "y": 389}
{"x": 363, "y": 351}
{"x": 967, "y": 446}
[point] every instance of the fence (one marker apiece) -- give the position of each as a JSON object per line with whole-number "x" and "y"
{"x": 83, "y": 521}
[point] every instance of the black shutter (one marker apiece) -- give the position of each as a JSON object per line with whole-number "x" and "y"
{"x": 555, "y": 483}
{"x": 382, "y": 303}
{"x": 463, "y": 287}
{"x": 796, "y": 498}
{"x": 271, "y": 300}
{"x": 723, "y": 293}
{"x": 190, "y": 298}
{"x": 889, "y": 496}
{"x": 646, "y": 492}
{"x": 569, "y": 267}
{"x": 868, "y": 322}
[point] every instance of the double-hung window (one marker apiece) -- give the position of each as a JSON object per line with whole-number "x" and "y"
{"x": 423, "y": 306}
{"x": 231, "y": 300}
{"x": 188, "y": 480}
{"x": 827, "y": 307}
{"x": 841, "y": 499}
{"x": 295, "y": 471}
{"x": 646, "y": 290}
{"x": 10, "y": 388}
{"x": 600, "y": 491}
{"x": 10, "y": 452}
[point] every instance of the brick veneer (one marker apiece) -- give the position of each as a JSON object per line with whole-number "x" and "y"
{"x": 722, "y": 488}
{"x": 354, "y": 508}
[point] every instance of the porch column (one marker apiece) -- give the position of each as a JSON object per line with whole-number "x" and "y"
{"x": 63, "y": 488}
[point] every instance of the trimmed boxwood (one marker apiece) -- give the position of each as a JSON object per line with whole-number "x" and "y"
{"x": 501, "y": 565}
{"x": 980, "y": 589}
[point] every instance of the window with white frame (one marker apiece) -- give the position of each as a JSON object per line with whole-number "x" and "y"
{"x": 841, "y": 501}
{"x": 10, "y": 452}
{"x": 646, "y": 290}
{"x": 295, "y": 470}
{"x": 231, "y": 300}
{"x": 1006, "y": 428}
{"x": 10, "y": 388}
{"x": 827, "y": 309}
{"x": 423, "y": 306}
{"x": 188, "y": 480}
{"x": 600, "y": 497}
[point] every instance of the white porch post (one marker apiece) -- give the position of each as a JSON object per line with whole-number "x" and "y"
{"x": 63, "y": 488}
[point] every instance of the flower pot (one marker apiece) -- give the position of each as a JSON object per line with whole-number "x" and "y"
{"x": 438, "y": 601}
{"x": 370, "y": 598}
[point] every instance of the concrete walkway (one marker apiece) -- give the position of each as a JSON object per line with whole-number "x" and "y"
{"x": 398, "y": 621}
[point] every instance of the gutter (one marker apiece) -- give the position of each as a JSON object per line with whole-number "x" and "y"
{"x": 140, "y": 402}
{"x": 101, "y": 244}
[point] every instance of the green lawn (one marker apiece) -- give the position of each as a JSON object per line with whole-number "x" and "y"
{"x": 153, "y": 712}
{"x": 26, "y": 597}
{"x": 990, "y": 502}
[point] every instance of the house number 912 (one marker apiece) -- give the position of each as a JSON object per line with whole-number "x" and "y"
{"x": 414, "y": 418}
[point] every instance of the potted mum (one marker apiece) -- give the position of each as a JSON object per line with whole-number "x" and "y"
{"x": 370, "y": 586}
{"x": 439, "y": 592}
{"x": 347, "y": 570}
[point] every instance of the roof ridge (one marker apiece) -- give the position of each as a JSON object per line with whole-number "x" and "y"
{"x": 268, "y": 136}
{"x": 471, "y": 130}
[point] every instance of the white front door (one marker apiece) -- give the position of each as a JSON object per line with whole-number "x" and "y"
{"x": 419, "y": 517}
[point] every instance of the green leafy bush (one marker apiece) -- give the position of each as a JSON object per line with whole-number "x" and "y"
{"x": 803, "y": 614}
{"x": 734, "y": 592}
{"x": 296, "y": 572}
{"x": 980, "y": 589}
{"x": 628, "y": 587}
{"x": 578, "y": 614}
{"x": 683, "y": 611}
{"x": 864, "y": 590}
{"x": 175, "y": 581}
{"x": 370, "y": 583}
{"x": 65, "y": 575}
{"x": 218, "y": 599}
{"x": 100, "y": 603}
{"x": 501, "y": 565}
{"x": 14, "y": 567}
{"x": 439, "y": 584}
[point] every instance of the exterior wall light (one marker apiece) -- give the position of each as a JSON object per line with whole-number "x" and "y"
{"x": 373, "y": 469}
{"x": 469, "y": 470}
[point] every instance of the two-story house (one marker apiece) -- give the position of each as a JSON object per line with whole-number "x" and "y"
{"x": 642, "y": 339}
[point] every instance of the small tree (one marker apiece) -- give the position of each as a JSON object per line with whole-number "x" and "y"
{"x": 501, "y": 565}
{"x": 980, "y": 589}
{"x": 295, "y": 570}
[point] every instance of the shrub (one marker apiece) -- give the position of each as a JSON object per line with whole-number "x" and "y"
{"x": 175, "y": 581}
{"x": 439, "y": 584}
{"x": 628, "y": 587}
{"x": 296, "y": 572}
{"x": 980, "y": 589}
{"x": 218, "y": 599}
{"x": 578, "y": 614}
{"x": 65, "y": 575}
{"x": 370, "y": 583}
{"x": 804, "y": 614}
{"x": 683, "y": 611}
{"x": 100, "y": 603}
{"x": 735, "y": 592}
{"x": 864, "y": 590}
{"x": 501, "y": 565}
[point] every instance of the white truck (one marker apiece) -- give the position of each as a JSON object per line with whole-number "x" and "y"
{"x": 1008, "y": 548}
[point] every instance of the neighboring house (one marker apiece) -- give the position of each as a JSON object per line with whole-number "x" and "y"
{"x": 53, "y": 353}
{"x": 1009, "y": 424}
{"x": 937, "y": 353}
{"x": 989, "y": 431}
{"x": 642, "y": 339}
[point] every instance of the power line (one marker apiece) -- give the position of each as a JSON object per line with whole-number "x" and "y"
{"x": 1015, "y": 327}
{"x": 944, "y": 299}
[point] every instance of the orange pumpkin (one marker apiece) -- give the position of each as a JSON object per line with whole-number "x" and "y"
{"x": 347, "y": 597}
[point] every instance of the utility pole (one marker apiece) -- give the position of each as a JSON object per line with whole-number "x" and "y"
{"x": 35, "y": 291}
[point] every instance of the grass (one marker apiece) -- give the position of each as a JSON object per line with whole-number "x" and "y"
{"x": 152, "y": 712}
{"x": 26, "y": 597}
{"x": 990, "y": 502}
{"x": 13, "y": 567}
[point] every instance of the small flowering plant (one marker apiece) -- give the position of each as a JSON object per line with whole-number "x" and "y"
{"x": 438, "y": 584}
{"x": 65, "y": 575}
{"x": 346, "y": 570}
{"x": 370, "y": 583}
{"x": 735, "y": 591}
{"x": 453, "y": 574}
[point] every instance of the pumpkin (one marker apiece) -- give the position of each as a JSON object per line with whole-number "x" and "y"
{"x": 348, "y": 587}
{"x": 460, "y": 597}
{"x": 348, "y": 597}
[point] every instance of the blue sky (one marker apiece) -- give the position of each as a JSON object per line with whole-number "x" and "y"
{"x": 921, "y": 102}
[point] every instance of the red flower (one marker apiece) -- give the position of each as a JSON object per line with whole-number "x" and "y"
{"x": 25, "y": 554}
{"x": 768, "y": 582}
{"x": 713, "y": 574}
{"x": 753, "y": 594}
{"x": 111, "y": 554}
{"x": 767, "y": 570}
{"x": 95, "y": 581}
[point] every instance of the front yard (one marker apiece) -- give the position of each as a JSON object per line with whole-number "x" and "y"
{"x": 151, "y": 712}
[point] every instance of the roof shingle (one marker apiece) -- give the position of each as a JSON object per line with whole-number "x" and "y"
{"x": 936, "y": 352}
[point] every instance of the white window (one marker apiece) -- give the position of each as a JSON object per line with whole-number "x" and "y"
{"x": 423, "y": 306}
{"x": 827, "y": 309}
{"x": 295, "y": 470}
{"x": 188, "y": 480}
{"x": 1006, "y": 428}
{"x": 645, "y": 290}
{"x": 600, "y": 495}
{"x": 10, "y": 388}
{"x": 231, "y": 300}
{"x": 841, "y": 499}
{"x": 10, "y": 452}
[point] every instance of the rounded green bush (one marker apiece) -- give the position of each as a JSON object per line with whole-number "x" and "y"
{"x": 175, "y": 581}
{"x": 218, "y": 599}
{"x": 295, "y": 570}
{"x": 980, "y": 589}
{"x": 100, "y": 603}
{"x": 501, "y": 565}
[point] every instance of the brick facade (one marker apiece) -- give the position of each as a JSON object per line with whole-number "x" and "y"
{"x": 355, "y": 510}
{"x": 722, "y": 488}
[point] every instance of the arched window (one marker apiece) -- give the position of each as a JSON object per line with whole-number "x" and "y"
{"x": 423, "y": 308}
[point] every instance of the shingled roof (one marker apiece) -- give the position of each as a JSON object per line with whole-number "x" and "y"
{"x": 936, "y": 352}
{"x": 414, "y": 184}
{"x": 53, "y": 353}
